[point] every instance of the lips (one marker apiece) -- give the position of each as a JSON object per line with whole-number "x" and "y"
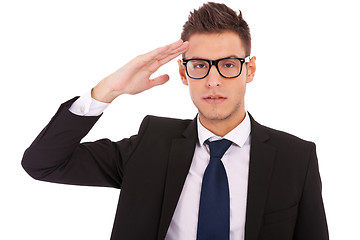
{"x": 214, "y": 99}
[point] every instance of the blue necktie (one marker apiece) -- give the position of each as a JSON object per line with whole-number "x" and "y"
{"x": 214, "y": 209}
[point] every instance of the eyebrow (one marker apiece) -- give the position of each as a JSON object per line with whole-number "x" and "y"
{"x": 232, "y": 55}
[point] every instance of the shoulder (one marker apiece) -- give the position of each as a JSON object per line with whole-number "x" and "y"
{"x": 282, "y": 136}
{"x": 165, "y": 125}
{"x": 293, "y": 153}
{"x": 166, "y": 121}
{"x": 278, "y": 138}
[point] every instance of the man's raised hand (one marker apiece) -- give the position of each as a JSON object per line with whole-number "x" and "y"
{"x": 134, "y": 77}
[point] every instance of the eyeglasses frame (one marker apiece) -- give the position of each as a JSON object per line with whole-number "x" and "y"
{"x": 215, "y": 63}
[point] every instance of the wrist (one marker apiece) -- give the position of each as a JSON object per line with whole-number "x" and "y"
{"x": 104, "y": 94}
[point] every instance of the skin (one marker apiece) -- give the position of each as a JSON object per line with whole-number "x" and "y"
{"x": 134, "y": 77}
{"x": 220, "y": 115}
{"x": 223, "y": 114}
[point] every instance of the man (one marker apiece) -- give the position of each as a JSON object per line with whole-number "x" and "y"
{"x": 175, "y": 183}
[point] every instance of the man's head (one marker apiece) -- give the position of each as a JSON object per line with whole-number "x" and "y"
{"x": 215, "y": 32}
{"x": 217, "y": 18}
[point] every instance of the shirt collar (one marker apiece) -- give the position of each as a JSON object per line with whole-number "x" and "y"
{"x": 238, "y": 135}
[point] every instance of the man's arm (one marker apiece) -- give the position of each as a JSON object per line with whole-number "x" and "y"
{"x": 56, "y": 155}
{"x": 311, "y": 222}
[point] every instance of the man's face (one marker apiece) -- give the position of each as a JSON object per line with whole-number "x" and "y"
{"x": 218, "y": 99}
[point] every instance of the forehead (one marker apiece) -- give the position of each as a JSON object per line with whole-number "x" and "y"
{"x": 215, "y": 45}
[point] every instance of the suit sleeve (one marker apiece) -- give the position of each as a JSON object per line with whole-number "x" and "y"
{"x": 311, "y": 222}
{"x": 57, "y": 155}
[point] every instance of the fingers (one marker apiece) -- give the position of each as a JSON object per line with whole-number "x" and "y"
{"x": 177, "y": 47}
{"x": 176, "y": 52}
{"x": 169, "y": 51}
{"x": 153, "y": 60}
{"x": 157, "y": 53}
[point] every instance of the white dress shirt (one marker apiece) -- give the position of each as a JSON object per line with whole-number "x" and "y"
{"x": 87, "y": 106}
{"x": 236, "y": 159}
{"x": 183, "y": 225}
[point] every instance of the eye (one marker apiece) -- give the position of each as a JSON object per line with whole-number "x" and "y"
{"x": 228, "y": 65}
{"x": 200, "y": 65}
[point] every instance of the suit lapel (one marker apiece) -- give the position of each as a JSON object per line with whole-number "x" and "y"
{"x": 181, "y": 154}
{"x": 262, "y": 158}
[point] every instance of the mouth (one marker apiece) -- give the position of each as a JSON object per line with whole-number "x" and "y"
{"x": 214, "y": 99}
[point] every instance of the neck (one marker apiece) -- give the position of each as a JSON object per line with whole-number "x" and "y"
{"x": 221, "y": 127}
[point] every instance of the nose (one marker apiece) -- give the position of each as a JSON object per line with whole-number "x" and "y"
{"x": 213, "y": 79}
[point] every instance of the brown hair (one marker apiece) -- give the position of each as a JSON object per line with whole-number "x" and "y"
{"x": 217, "y": 18}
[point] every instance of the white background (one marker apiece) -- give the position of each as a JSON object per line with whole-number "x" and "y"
{"x": 307, "y": 83}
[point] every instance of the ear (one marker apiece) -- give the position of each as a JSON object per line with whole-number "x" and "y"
{"x": 251, "y": 69}
{"x": 182, "y": 73}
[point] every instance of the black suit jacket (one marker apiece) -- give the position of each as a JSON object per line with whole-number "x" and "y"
{"x": 284, "y": 187}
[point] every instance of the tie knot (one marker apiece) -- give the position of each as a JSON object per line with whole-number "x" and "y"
{"x": 218, "y": 148}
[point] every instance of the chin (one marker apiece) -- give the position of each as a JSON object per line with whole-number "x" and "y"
{"x": 214, "y": 116}
{"x": 221, "y": 114}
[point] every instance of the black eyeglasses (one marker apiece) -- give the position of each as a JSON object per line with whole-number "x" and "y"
{"x": 229, "y": 67}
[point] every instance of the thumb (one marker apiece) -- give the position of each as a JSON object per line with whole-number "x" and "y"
{"x": 159, "y": 80}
